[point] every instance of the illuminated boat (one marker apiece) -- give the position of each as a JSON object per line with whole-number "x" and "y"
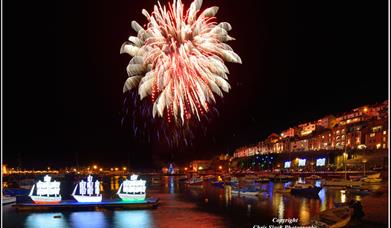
{"x": 132, "y": 189}
{"x": 48, "y": 192}
{"x": 86, "y": 191}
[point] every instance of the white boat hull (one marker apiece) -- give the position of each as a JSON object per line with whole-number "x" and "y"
{"x": 125, "y": 196}
{"x": 88, "y": 199}
{"x": 245, "y": 193}
{"x": 46, "y": 199}
{"x": 8, "y": 199}
{"x": 343, "y": 183}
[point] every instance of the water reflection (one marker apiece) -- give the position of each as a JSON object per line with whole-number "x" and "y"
{"x": 181, "y": 206}
{"x": 39, "y": 220}
{"x": 140, "y": 218}
{"x": 88, "y": 219}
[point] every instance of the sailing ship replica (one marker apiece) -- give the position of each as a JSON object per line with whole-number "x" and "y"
{"x": 132, "y": 189}
{"x": 48, "y": 192}
{"x": 87, "y": 190}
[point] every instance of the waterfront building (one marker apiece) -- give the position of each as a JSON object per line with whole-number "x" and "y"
{"x": 360, "y": 128}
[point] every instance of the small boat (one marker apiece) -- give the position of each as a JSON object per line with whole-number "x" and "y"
{"x": 281, "y": 177}
{"x": 7, "y": 199}
{"x": 305, "y": 189}
{"x": 250, "y": 191}
{"x": 374, "y": 176}
{"x": 313, "y": 177}
{"x": 86, "y": 191}
{"x": 334, "y": 218}
{"x": 262, "y": 180}
{"x": 48, "y": 192}
{"x": 132, "y": 189}
{"x": 195, "y": 181}
{"x": 342, "y": 183}
{"x": 372, "y": 180}
{"x": 15, "y": 191}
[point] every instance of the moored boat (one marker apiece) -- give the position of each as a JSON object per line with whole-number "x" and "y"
{"x": 372, "y": 180}
{"x": 262, "y": 180}
{"x": 305, "y": 189}
{"x": 7, "y": 199}
{"x": 313, "y": 177}
{"x": 342, "y": 183}
{"x": 86, "y": 191}
{"x": 334, "y": 218}
{"x": 195, "y": 181}
{"x": 47, "y": 192}
{"x": 250, "y": 191}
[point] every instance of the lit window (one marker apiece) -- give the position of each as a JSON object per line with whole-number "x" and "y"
{"x": 372, "y": 135}
{"x": 322, "y": 136}
{"x": 384, "y": 132}
{"x": 378, "y": 146}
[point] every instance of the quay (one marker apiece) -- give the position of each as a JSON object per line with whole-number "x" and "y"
{"x": 149, "y": 203}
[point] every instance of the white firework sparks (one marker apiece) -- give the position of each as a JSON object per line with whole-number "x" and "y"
{"x": 178, "y": 60}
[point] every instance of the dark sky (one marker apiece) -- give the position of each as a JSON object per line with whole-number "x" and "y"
{"x": 63, "y": 75}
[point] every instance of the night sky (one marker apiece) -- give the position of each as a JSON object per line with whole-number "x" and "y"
{"x": 63, "y": 76}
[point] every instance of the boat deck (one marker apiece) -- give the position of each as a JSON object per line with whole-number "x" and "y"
{"x": 149, "y": 203}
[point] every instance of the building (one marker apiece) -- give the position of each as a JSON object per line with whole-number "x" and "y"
{"x": 198, "y": 165}
{"x": 376, "y": 135}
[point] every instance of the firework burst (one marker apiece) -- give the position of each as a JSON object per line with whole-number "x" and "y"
{"x": 178, "y": 60}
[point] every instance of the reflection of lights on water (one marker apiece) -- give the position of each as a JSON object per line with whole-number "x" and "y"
{"x": 343, "y": 196}
{"x": 322, "y": 197}
{"x": 40, "y": 220}
{"x": 172, "y": 188}
{"x": 132, "y": 219}
{"x": 88, "y": 219}
{"x": 281, "y": 208}
{"x": 304, "y": 216}
{"x": 228, "y": 195}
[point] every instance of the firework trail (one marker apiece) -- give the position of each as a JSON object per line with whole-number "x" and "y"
{"x": 178, "y": 61}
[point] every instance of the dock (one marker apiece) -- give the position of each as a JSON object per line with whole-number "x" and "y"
{"x": 72, "y": 205}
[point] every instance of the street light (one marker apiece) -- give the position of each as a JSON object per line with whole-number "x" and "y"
{"x": 95, "y": 167}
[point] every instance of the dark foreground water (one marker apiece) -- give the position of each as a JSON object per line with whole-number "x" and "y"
{"x": 190, "y": 207}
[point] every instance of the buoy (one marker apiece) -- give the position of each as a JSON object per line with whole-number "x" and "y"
{"x": 57, "y": 216}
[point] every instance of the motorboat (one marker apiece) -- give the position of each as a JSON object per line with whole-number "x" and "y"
{"x": 342, "y": 183}
{"x": 250, "y": 191}
{"x": 305, "y": 189}
{"x": 334, "y": 218}
{"x": 195, "y": 181}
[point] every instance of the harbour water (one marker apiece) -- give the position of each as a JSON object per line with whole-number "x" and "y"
{"x": 182, "y": 206}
